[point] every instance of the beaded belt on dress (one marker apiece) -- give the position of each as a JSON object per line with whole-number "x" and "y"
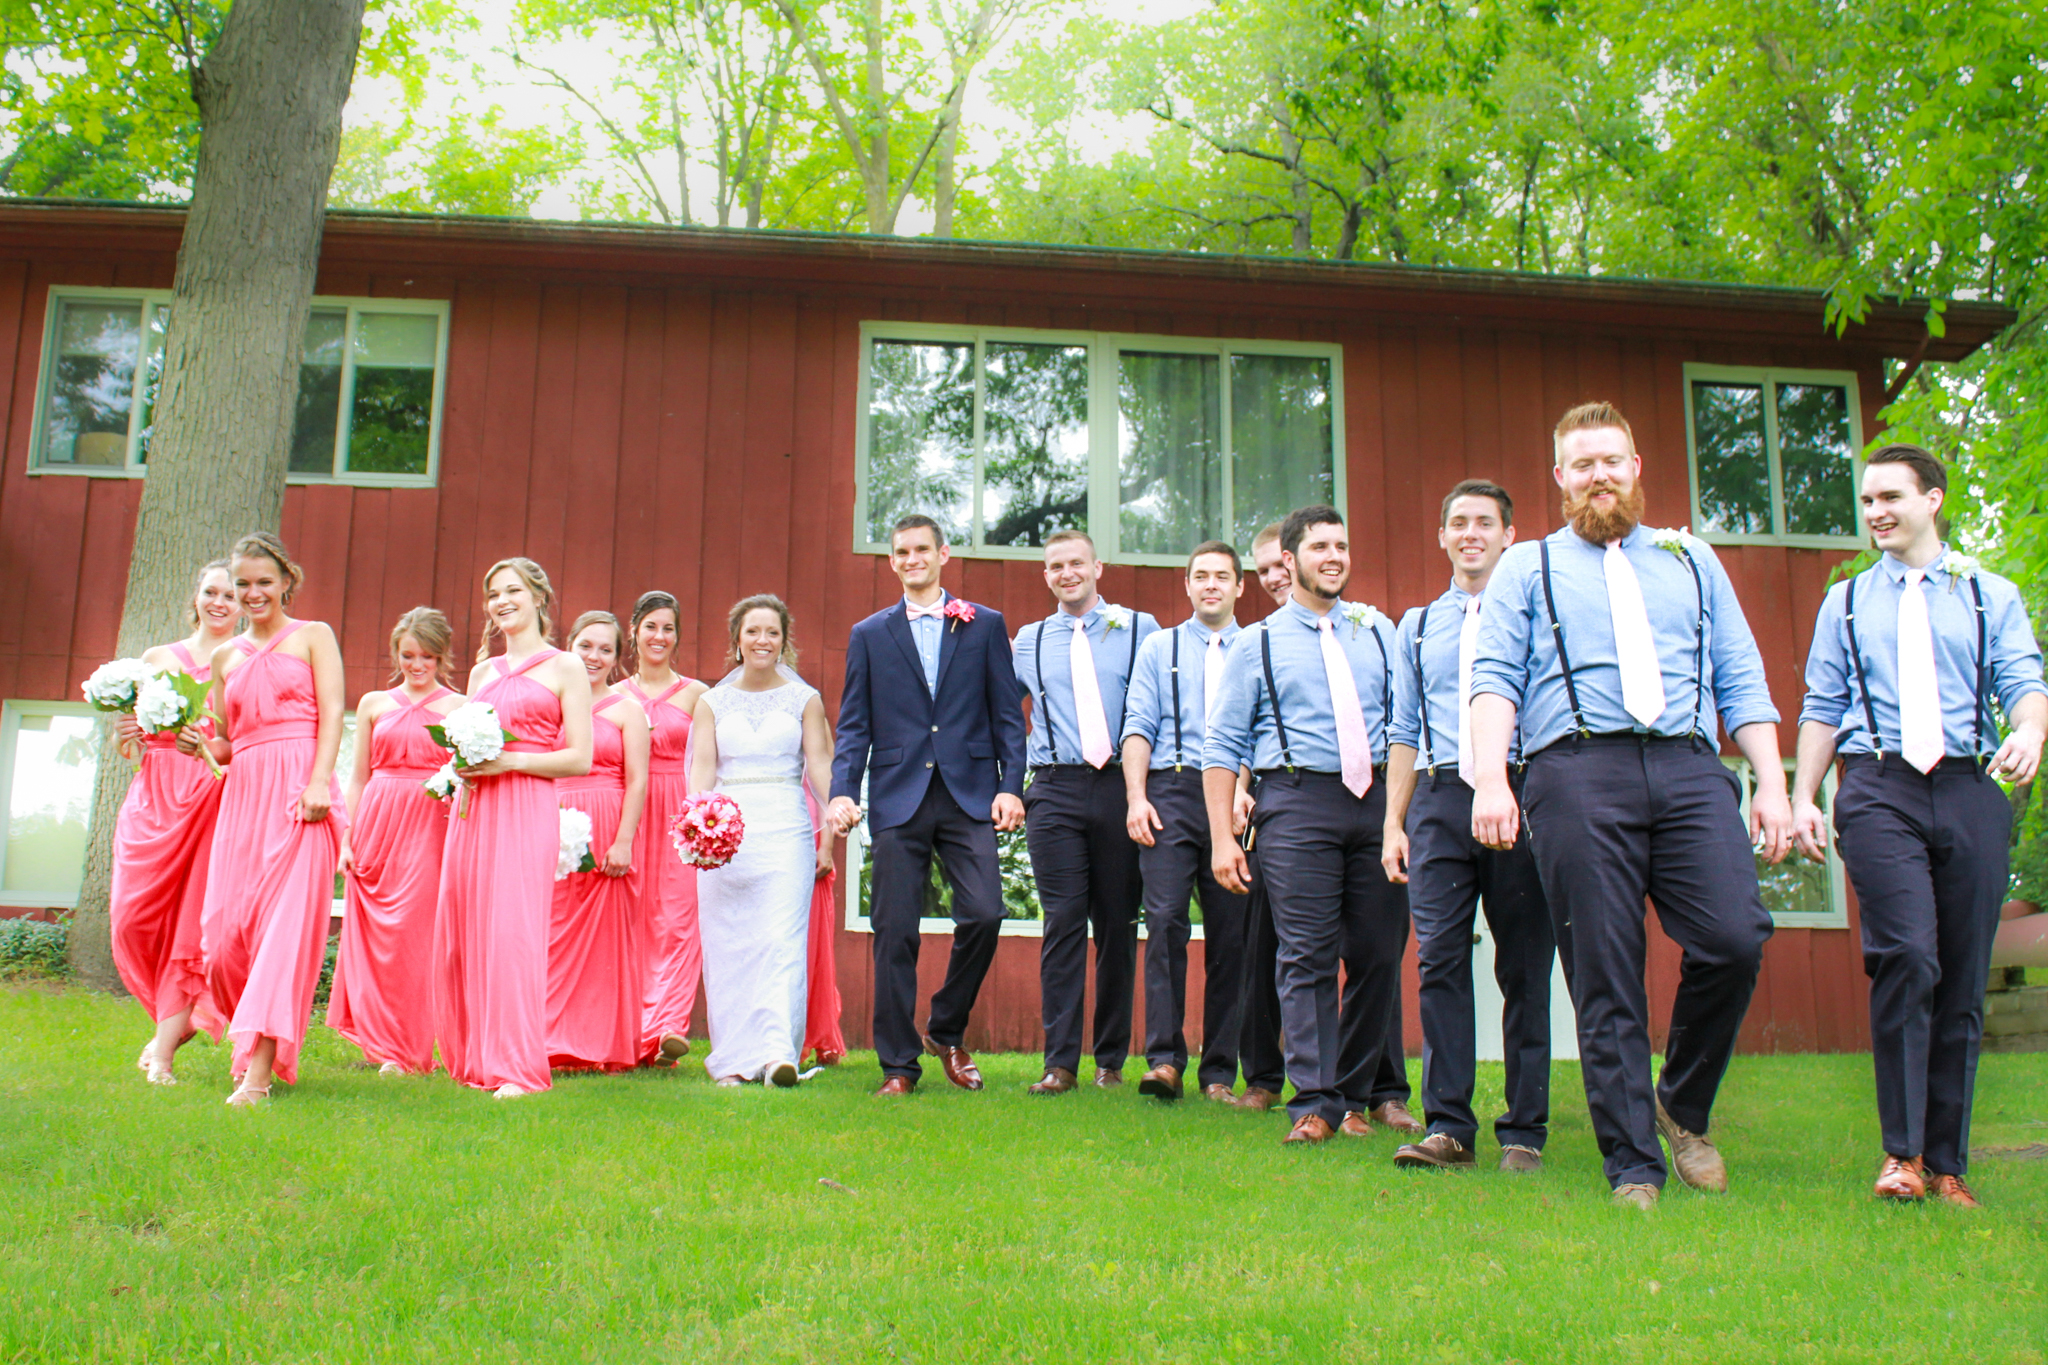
{"x": 756, "y": 781}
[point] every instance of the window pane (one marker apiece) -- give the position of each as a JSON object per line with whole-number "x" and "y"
{"x": 921, "y": 435}
{"x": 1734, "y": 472}
{"x": 152, "y": 376}
{"x": 1034, "y": 441}
{"x": 1815, "y": 459}
{"x": 49, "y": 799}
{"x": 319, "y": 392}
{"x": 1169, "y": 447}
{"x": 391, "y": 416}
{"x": 92, "y": 382}
{"x": 1280, "y": 440}
{"x": 1795, "y": 886}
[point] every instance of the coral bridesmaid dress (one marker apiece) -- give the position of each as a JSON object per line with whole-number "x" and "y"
{"x": 597, "y": 960}
{"x": 497, "y": 886}
{"x": 668, "y": 885}
{"x": 383, "y": 994}
{"x": 162, "y": 840}
{"x": 270, "y": 879}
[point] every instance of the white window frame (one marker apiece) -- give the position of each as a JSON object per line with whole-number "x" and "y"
{"x": 1104, "y": 521}
{"x": 151, "y": 299}
{"x": 1768, "y": 378}
{"x": 12, "y": 710}
{"x": 1837, "y": 914}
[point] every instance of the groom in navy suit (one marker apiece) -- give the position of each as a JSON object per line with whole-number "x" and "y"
{"x": 932, "y": 715}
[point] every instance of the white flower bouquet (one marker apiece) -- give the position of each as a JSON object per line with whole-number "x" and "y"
{"x": 113, "y": 685}
{"x": 472, "y": 732}
{"x": 573, "y": 854}
{"x": 163, "y": 701}
{"x": 445, "y": 783}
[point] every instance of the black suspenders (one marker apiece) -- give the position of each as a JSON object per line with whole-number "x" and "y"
{"x": 1699, "y": 644}
{"x": 1175, "y": 673}
{"x": 1123, "y": 712}
{"x": 1422, "y": 694}
{"x": 1564, "y": 662}
{"x": 1863, "y": 681}
{"x": 1856, "y": 655}
{"x": 1273, "y": 694}
{"x": 1052, "y": 744}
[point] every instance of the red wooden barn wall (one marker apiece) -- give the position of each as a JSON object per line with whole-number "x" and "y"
{"x": 696, "y": 433}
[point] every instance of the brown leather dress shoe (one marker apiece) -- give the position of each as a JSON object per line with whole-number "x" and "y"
{"x": 1219, "y": 1092}
{"x": 1519, "y": 1159}
{"x": 1901, "y": 1177}
{"x": 1310, "y": 1129}
{"x": 960, "y": 1067}
{"x": 1395, "y": 1115}
{"x": 1162, "y": 1082}
{"x": 1693, "y": 1158}
{"x": 1057, "y": 1081}
{"x": 896, "y": 1085}
{"x": 1951, "y": 1190}
{"x": 1106, "y": 1078}
{"x": 674, "y": 1047}
{"x": 1355, "y": 1124}
{"x": 1635, "y": 1196}
{"x": 1257, "y": 1099}
{"x": 1438, "y": 1152}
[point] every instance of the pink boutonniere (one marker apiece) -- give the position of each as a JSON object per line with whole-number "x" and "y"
{"x": 958, "y": 611}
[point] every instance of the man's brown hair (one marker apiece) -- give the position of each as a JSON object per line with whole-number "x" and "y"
{"x": 1070, "y": 533}
{"x": 1590, "y": 417}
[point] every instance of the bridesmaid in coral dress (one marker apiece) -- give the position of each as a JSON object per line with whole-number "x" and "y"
{"x": 270, "y": 878}
{"x": 597, "y": 951}
{"x": 383, "y": 994}
{"x": 162, "y": 839}
{"x": 498, "y": 869}
{"x": 668, "y": 886}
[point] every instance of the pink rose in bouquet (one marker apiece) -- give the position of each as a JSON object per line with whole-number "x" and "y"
{"x": 707, "y": 830}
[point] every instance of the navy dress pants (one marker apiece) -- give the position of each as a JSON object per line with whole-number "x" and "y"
{"x": 1612, "y": 820}
{"x": 1087, "y": 872}
{"x": 1258, "y": 1034}
{"x": 1927, "y": 854}
{"x": 1177, "y": 868}
{"x": 1451, "y": 876}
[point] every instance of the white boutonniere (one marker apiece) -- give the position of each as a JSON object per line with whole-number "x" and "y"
{"x": 1115, "y": 618}
{"x": 1962, "y": 566}
{"x": 1677, "y": 539}
{"x": 1360, "y": 616}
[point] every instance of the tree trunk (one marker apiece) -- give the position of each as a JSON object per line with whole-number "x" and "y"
{"x": 270, "y": 94}
{"x": 881, "y": 211}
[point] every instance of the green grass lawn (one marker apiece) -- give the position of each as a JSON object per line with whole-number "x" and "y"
{"x": 656, "y": 1217}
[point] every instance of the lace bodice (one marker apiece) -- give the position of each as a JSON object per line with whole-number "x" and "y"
{"x": 760, "y": 734}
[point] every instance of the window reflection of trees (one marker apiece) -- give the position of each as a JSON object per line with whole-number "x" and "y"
{"x": 1170, "y": 466}
{"x": 1733, "y": 466}
{"x": 1815, "y": 460}
{"x": 1034, "y": 425}
{"x": 921, "y": 435}
{"x": 1280, "y": 440}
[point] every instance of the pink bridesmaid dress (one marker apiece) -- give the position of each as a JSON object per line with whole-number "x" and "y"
{"x": 497, "y": 887}
{"x": 597, "y": 961}
{"x": 668, "y": 885}
{"x": 270, "y": 879}
{"x": 162, "y": 840}
{"x": 383, "y": 994}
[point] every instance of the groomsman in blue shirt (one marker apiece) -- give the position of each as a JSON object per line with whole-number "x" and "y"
{"x": 1614, "y": 646}
{"x": 1907, "y": 658}
{"x": 1075, "y": 665}
{"x": 1429, "y": 845}
{"x": 1178, "y": 677}
{"x": 1304, "y": 693}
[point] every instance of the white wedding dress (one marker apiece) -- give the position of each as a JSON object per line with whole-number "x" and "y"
{"x": 754, "y": 914}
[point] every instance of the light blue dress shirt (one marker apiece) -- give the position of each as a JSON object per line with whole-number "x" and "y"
{"x": 1051, "y": 686}
{"x": 1244, "y": 732}
{"x": 927, "y": 632}
{"x": 1517, "y": 657}
{"x": 1834, "y": 695}
{"x": 1150, "y": 714}
{"x": 1438, "y": 684}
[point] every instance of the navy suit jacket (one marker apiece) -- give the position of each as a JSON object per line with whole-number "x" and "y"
{"x": 898, "y": 733}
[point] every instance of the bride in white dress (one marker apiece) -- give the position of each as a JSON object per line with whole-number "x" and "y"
{"x": 756, "y": 736}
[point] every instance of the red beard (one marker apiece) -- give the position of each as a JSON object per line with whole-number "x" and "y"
{"x": 1602, "y": 527}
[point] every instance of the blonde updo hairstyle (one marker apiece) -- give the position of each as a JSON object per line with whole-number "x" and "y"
{"x": 760, "y": 601}
{"x": 602, "y": 618}
{"x": 435, "y": 636}
{"x": 225, "y": 566}
{"x": 263, "y": 545}
{"x": 536, "y": 580}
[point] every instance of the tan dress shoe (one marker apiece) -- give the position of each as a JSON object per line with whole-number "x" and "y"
{"x": 1951, "y": 1190}
{"x": 1634, "y": 1196}
{"x": 1438, "y": 1152}
{"x": 1901, "y": 1177}
{"x": 1310, "y": 1129}
{"x": 896, "y": 1085}
{"x": 1220, "y": 1093}
{"x": 1105, "y": 1078}
{"x": 1519, "y": 1159}
{"x": 1162, "y": 1082}
{"x": 1256, "y": 1099}
{"x": 1355, "y": 1124}
{"x": 1394, "y": 1114}
{"x": 1056, "y": 1081}
{"x": 1694, "y": 1158}
{"x": 959, "y": 1066}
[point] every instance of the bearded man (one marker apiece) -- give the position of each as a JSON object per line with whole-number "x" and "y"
{"x": 1615, "y": 646}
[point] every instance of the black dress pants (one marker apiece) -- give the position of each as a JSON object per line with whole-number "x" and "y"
{"x": 1087, "y": 872}
{"x": 966, "y": 850}
{"x": 1927, "y": 854}
{"x": 1258, "y": 1034}
{"x": 1612, "y": 820}
{"x": 1319, "y": 847}
{"x": 1176, "y": 868}
{"x": 1450, "y": 876}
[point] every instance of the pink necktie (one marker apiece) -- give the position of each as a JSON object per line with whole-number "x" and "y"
{"x": 1095, "y": 746}
{"x": 1354, "y": 746}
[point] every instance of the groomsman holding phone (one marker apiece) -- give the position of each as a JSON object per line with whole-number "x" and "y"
{"x": 1907, "y": 658}
{"x": 1177, "y": 680}
{"x": 1613, "y": 646}
{"x": 1429, "y": 845}
{"x": 932, "y": 717}
{"x": 1075, "y": 666}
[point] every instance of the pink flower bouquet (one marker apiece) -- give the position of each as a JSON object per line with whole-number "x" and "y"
{"x": 707, "y": 830}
